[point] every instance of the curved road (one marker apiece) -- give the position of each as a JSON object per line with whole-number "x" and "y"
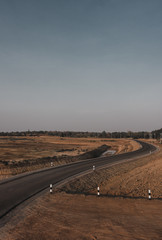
{"x": 16, "y": 190}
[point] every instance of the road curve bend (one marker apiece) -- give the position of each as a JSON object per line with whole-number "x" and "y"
{"x": 16, "y": 190}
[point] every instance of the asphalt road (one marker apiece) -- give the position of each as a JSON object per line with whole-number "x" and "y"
{"x": 15, "y": 191}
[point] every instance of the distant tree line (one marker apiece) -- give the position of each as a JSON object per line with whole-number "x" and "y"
{"x": 142, "y": 134}
{"x": 157, "y": 133}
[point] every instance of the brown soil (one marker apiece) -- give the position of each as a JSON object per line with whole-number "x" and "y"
{"x": 64, "y": 216}
{"x": 19, "y": 149}
{"x": 78, "y": 216}
{"x": 131, "y": 179}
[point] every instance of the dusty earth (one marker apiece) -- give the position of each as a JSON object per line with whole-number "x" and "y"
{"x": 130, "y": 179}
{"x": 83, "y": 215}
{"x": 65, "y": 217}
{"x": 18, "y": 149}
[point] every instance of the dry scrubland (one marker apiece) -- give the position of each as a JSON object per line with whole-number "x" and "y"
{"x": 31, "y": 151}
{"x": 69, "y": 217}
{"x": 85, "y": 216}
{"x": 21, "y": 148}
{"x": 130, "y": 179}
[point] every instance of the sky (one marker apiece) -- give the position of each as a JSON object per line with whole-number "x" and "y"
{"x": 80, "y": 65}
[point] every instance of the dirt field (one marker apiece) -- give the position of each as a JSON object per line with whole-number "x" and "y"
{"x": 131, "y": 179}
{"x": 19, "y": 149}
{"x": 65, "y": 216}
{"x": 86, "y": 216}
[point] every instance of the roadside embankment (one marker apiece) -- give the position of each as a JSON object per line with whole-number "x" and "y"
{"x": 94, "y": 153}
{"x": 67, "y": 216}
{"x": 86, "y": 216}
{"x": 15, "y": 168}
{"x": 130, "y": 179}
{"x": 63, "y": 150}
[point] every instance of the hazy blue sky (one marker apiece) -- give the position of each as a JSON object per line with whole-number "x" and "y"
{"x": 88, "y": 65}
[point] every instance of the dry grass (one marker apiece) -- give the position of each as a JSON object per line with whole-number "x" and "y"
{"x": 21, "y": 148}
{"x": 64, "y": 216}
{"x": 128, "y": 179}
{"x": 18, "y": 149}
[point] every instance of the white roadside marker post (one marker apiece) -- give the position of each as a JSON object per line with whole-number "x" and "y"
{"x": 51, "y": 164}
{"x": 51, "y": 188}
{"x": 149, "y": 194}
{"x": 94, "y": 167}
{"x": 98, "y": 191}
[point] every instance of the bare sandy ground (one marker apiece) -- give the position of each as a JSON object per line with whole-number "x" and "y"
{"x": 21, "y": 148}
{"x": 18, "y": 149}
{"x": 131, "y": 179}
{"x": 65, "y": 216}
